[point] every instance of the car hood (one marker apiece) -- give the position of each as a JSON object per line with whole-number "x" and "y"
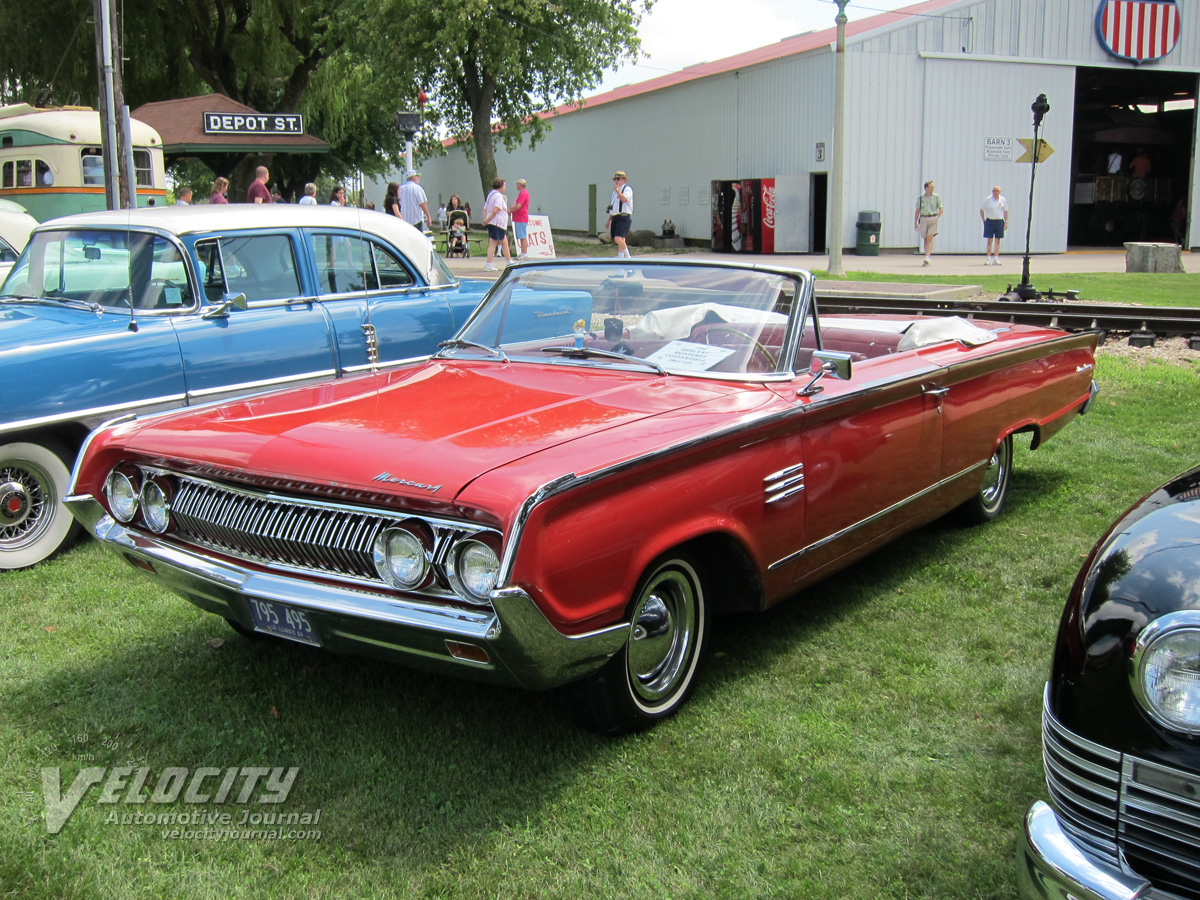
{"x": 22, "y": 324}
{"x": 426, "y": 431}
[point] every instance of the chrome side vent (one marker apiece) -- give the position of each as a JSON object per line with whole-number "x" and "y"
{"x": 783, "y": 484}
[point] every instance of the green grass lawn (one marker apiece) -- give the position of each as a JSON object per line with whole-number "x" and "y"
{"x": 876, "y": 737}
{"x": 1149, "y": 289}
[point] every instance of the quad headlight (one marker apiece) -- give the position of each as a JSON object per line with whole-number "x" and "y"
{"x": 1166, "y": 670}
{"x": 156, "y": 508}
{"x": 122, "y": 493}
{"x": 401, "y": 558}
{"x": 474, "y": 568}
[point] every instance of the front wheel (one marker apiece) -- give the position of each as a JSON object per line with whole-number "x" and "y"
{"x": 653, "y": 674}
{"x": 34, "y": 524}
{"x": 989, "y": 502}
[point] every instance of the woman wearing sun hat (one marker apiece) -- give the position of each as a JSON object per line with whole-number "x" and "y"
{"x": 620, "y": 213}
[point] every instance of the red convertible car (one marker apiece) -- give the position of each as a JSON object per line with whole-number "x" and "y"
{"x": 607, "y": 454}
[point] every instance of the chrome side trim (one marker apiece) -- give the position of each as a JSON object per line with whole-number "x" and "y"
{"x": 250, "y": 386}
{"x": 87, "y": 442}
{"x": 74, "y": 415}
{"x": 791, "y": 558}
{"x": 549, "y": 489}
{"x": 385, "y": 364}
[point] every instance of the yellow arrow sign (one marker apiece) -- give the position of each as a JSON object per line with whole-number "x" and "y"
{"x": 1044, "y": 150}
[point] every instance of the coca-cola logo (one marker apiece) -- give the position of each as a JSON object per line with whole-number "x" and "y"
{"x": 768, "y": 196}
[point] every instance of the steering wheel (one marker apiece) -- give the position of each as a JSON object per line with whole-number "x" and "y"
{"x": 729, "y": 329}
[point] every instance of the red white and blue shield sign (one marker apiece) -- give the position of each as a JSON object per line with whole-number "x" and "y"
{"x": 1138, "y": 29}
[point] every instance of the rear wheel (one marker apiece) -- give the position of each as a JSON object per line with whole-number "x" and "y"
{"x": 989, "y": 502}
{"x": 34, "y": 524}
{"x": 653, "y": 674}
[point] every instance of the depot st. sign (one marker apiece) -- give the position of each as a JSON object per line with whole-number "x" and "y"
{"x": 252, "y": 123}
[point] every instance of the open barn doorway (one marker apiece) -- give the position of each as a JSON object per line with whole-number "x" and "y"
{"x": 1133, "y": 152}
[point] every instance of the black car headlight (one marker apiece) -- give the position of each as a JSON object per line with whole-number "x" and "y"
{"x": 473, "y": 569}
{"x": 1166, "y": 670}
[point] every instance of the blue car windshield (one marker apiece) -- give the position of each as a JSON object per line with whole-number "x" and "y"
{"x": 711, "y": 319}
{"x": 109, "y": 269}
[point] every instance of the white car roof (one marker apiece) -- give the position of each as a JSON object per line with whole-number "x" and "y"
{"x": 15, "y": 228}
{"x": 224, "y": 217}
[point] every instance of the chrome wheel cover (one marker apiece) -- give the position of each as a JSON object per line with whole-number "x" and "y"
{"x": 995, "y": 479}
{"x": 663, "y": 635}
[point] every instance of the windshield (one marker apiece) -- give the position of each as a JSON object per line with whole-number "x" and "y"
{"x": 108, "y": 269}
{"x": 682, "y": 319}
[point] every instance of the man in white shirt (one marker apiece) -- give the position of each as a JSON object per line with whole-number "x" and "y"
{"x": 310, "y": 195}
{"x": 620, "y": 214}
{"x": 994, "y": 212}
{"x": 414, "y": 206}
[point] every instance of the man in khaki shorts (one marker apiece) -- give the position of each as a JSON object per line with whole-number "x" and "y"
{"x": 929, "y": 210}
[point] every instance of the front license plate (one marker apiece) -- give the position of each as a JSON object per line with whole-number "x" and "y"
{"x": 283, "y": 621}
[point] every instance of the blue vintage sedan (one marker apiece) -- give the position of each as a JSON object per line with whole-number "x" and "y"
{"x": 141, "y": 310}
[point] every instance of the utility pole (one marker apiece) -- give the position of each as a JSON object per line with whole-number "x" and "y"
{"x": 839, "y": 131}
{"x": 108, "y": 107}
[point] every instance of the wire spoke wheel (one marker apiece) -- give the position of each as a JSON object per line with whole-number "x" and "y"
{"x": 34, "y": 524}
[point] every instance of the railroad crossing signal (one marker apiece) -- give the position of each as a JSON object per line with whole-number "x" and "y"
{"x": 1044, "y": 150}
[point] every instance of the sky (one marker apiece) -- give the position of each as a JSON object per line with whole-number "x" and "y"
{"x": 679, "y": 33}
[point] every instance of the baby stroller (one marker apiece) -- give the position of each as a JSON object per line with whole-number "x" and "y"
{"x": 457, "y": 244}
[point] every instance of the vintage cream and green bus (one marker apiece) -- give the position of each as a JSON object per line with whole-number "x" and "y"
{"x": 52, "y": 164}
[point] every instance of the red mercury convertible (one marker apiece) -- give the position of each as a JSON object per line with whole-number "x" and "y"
{"x": 607, "y": 454}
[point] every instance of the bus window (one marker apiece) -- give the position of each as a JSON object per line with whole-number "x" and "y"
{"x": 142, "y": 165}
{"x": 44, "y": 175}
{"x": 24, "y": 173}
{"x": 93, "y": 166}
{"x": 8, "y": 175}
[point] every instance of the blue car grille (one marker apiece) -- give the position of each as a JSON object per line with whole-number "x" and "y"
{"x": 1112, "y": 802}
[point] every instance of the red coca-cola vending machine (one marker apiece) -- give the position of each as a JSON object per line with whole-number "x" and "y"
{"x": 743, "y": 216}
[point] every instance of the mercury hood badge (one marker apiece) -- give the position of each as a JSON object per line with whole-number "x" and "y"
{"x": 393, "y": 479}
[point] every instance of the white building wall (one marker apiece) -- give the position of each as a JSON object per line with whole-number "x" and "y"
{"x": 922, "y": 97}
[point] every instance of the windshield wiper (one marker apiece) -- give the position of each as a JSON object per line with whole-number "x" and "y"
{"x": 586, "y": 352}
{"x": 462, "y": 342}
{"x": 54, "y": 299}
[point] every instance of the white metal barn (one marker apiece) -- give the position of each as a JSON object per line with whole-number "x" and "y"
{"x": 940, "y": 90}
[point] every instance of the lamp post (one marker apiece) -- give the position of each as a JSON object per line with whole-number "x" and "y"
{"x": 1040, "y": 107}
{"x": 839, "y": 103}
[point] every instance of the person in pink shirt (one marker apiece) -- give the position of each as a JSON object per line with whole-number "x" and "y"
{"x": 520, "y": 219}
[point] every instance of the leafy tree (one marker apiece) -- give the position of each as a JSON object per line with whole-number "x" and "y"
{"x": 491, "y": 67}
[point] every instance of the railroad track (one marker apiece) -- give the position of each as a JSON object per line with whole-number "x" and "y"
{"x": 1159, "y": 321}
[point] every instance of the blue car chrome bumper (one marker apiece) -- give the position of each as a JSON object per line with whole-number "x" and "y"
{"x": 1052, "y": 866}
{"x": 521, "y": 647}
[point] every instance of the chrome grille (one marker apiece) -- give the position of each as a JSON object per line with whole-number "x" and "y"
{"x": 1084, "y": 779}
{"x": 1160, "y": 825}
{"x": 277, "y": 530}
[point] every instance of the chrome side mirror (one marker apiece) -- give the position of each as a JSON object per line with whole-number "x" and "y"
{"x": 826, "y": 362}
{"x": 221, "y": 310}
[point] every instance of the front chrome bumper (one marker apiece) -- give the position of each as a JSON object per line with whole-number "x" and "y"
{"x": 523, "y": 648}
{"x": 1052, "y": 866}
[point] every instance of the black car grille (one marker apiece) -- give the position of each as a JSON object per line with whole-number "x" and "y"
{"x": 1110, "y": 802}
{"x": 1084, "y": 780}
{"x": 1160, "y": 825}
{"x": 276, "y": 530}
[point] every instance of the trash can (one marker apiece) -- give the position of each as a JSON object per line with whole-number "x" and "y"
{"x": 868, "y": 233}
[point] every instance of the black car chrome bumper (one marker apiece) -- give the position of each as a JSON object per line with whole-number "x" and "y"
{"x": 522, "y": 648}
{"x": 1053, "y": 866}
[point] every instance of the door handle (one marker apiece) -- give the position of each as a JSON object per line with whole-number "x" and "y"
{"x": 935, "y": 391}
